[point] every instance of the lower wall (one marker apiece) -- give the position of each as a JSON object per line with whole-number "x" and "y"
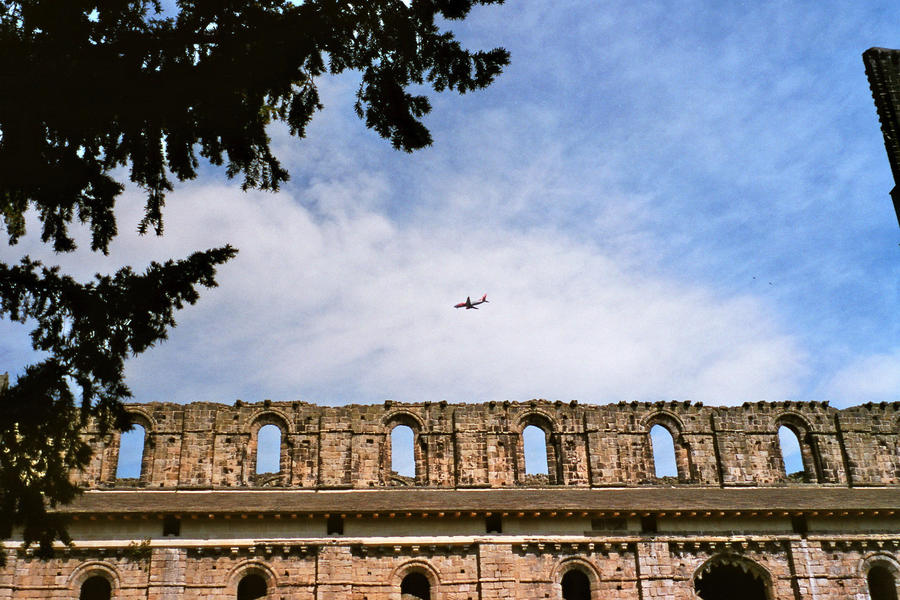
{"x": 485, "y": 568}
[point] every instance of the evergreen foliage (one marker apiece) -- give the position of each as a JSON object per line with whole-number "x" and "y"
{"x": 86, "y": 331}
{"x": 90, "y": 86}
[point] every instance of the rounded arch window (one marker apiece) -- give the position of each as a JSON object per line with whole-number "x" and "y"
{"x": 662, "y": 444}
{"x": 799, "y": 451}
{"x": 882, "y": 583}
{"x": 131, "y": 452}
{"x": 251, "y": 587}
{"x": 534, "y": 441}
{"x": 415, "y": 586}
{"x": 575, "y": 585}
{"x": 96, "y": 587}
{"x": 268, "y": 451}
{"x": 731, "y": 578}
{"x": 403, "y": 455}
{"x": 791, "y": 453}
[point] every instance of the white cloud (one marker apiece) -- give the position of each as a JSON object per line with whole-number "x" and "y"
{"x": 874, "y": 378}
{"x": 340, "y": 306}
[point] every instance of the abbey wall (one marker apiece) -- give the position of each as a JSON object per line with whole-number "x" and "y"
{"x": 480, "y": 445}
{"x": 335, "y": 522}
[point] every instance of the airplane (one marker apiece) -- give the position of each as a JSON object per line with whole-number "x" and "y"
{"x": 469, "y": 304}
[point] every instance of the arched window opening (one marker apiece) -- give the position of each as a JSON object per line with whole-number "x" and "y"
{"x": 96, "y": 588}
{"x": 728, "y": 581}
{"x": 663, "y": 446}
{"x": 251, "y": 587}
{"x": 268, "y": 450}
{"x": 576, "y": 586}
{"x": 403, "y": 460}
{"x": 534, "y": 440}
{"x": 131, "y": 453}
{"x": 882, "y": 585}
{"x": 415, "y": 586}
{"x": 791, "y": 454}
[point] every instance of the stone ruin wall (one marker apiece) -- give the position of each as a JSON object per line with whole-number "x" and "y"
{"x": 207, "y": 445}
{"x": 633, "y": 570}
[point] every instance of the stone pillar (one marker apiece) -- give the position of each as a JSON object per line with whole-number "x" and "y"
{"x": 497, "y": 579}
{"x": 654, "y": 569}
{"x": 334, "y": 573}
{"x": 167, "y": 573}
{"x": 335, "y": 459}
{"x": 812, "y": 571}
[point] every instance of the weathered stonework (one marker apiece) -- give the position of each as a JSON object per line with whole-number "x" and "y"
{"x": 883, "y": 71}
{"x": 207, "y": 445}
{"x": 336, "y": 522}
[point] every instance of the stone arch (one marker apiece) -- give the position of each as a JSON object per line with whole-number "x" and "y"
{"x": 403, "y": 417}
{"x": 91, "y": 569}
{"x": 880, "y": 560}
{"x": 757, "y": 584}
{"x": 268, "y": 416}
{"x": 538, "y": 418}
{"x": 406, "y": 419}
{"x": 684, "y": 462}
{"x": 581, "y": 565}
{"x": 415, "y": 566}
{"x": 809, "y": 452}
{"x": 250, "y": 567}
{"x": 666, "y": 418}
{"x": 141, "y": 416}
{"x": 546, "y": 423}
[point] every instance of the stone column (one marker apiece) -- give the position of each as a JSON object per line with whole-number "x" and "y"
{"x": 334, "y": 573}
{"x": 654, "y": 570}
{"x": 167, "y": 573}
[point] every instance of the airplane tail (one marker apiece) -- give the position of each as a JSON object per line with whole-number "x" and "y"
{"x": 484, "y": 298}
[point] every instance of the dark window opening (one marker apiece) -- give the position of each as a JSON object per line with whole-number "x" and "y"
{"x": 799, "y": 525}
{"x": 171, "y": 526}
{"x": 729, "y": 582}
{"x": 251, "y": 587}
{"x": 493, "y": 524}
{"x": 335, "y": 525}
{"x": 648, "y": 524}
{"x": 415, "y": 586}
{"x": 882, "y": 585}
{"x": 610, "y": 524}
{"x": 576, "y": 586}
{"x": 96, "y": 588}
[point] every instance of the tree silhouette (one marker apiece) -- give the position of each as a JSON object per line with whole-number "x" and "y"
{"x": 90, "y": 86}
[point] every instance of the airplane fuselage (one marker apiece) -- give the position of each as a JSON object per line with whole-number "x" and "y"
{"x": 469, "y": 304}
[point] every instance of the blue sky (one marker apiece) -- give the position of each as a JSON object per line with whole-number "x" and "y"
{"x": 662, "y": 200}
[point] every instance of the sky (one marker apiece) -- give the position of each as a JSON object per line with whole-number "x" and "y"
{"x": 661, "y": 200}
